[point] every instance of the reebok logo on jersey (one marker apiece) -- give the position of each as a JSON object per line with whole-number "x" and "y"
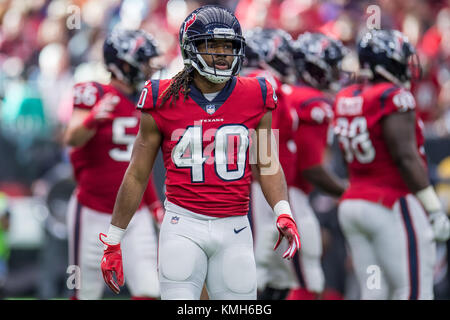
{"x": 239, "y": 230}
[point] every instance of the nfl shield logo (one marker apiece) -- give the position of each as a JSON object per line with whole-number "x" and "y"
{"x": 210, "y": 108}
{"x": 174, "y": 220}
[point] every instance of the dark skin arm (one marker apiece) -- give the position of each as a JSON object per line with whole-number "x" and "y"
{"x": 145, "y": 149}
{"x": 312, "y": 139}
{"x": 324, "y": 180}
{"x": 400, "y": 136}
{"x": 270, "y": 174}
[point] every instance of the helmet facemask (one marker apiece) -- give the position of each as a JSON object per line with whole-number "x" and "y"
{"x": 194, "y": 57}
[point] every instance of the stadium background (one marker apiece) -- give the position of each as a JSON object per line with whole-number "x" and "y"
{"x": 48, "y": 45}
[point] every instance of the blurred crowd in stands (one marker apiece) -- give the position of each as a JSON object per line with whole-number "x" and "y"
{"x": 46, "y": 46}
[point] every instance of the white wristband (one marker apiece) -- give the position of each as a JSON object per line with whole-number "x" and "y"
{"x": 429, "y": 199}
{"x": 282, "y": 207}
{"x": 115, "y": 235}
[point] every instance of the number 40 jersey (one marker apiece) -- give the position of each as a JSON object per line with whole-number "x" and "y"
{"x": 206, "y": 144}
{"x": 100, "y": 164}
{"x": 359, "y": 110}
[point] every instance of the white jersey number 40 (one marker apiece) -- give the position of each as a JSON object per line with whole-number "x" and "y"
{"x": 192, "y": 140}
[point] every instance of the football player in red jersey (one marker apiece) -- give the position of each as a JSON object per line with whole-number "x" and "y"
{"x": 390, "y": 213}
{"x": 268, "y": 54}
{"x": 317, "y": 59}
{"x": 101, "y": 132}
{"x": 204, "y": 119}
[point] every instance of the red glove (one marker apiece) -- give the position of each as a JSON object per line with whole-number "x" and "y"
{"x": 101, "y": 111}
{"x": 287, "y": 228}
{"x": 112, "y": 263}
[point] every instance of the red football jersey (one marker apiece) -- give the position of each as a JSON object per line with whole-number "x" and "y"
{"x": 284, "y": 121}
{"x": 314, "y": 113}
{"x": 100, "y": 164}
{"x": 358, "y": 111}
{"x": 206, "y": 143}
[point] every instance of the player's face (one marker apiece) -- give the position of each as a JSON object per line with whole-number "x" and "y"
{"x": 222, "y": 50}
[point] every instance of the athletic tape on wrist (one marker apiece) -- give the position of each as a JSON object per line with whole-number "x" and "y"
{"x": 429, "y": 199}
{"x": 282, "y": 207}
{"x": 115, "y": 235}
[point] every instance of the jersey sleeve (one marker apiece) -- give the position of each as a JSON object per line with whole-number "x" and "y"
{"x": 86, "y": 95}
{"x": 269, "y": 96}
{"x": 396, "y": 99}
{"x": 311, "y": 141}
{"x": 149, "y": 96}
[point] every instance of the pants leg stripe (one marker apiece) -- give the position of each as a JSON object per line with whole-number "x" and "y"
{"x": 299, "y": 271}
{"x": 77, "y": 238}
{"x": 412, "y": 250}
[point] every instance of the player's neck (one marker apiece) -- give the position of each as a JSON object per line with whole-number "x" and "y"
{"x": 122, "y": 87}
{"x": 206, "y": 86}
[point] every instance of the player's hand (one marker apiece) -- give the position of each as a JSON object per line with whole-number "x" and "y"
{"x": 287, "y": 228}
{"x": 440, "y": 225}
{"x": 112, "y": 264}
{"x": 102, "y": 111}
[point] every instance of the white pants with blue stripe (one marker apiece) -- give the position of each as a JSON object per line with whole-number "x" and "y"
{"x": 392, "y": 250}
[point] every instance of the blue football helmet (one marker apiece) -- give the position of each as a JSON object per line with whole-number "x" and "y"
{"x": 389, "y": 54}
{"x": 134, "y": 47}
{"x": 318, "y": 60}
{"x": 211, "y": 23}
{"x": 270, "y": 49}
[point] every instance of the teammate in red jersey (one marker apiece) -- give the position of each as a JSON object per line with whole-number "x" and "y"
{"x": 268, "y": 54}
{"x": 102, "y": 129}
{"x": 390, "y": 214}
{"x": 317, "y": 59}
{"x": 203, "y": 119}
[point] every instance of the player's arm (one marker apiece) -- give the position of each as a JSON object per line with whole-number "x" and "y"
{"x": 273, "y": 185}
{"x": 312, "y": 139}
{"x": 76, "y": 133}
{"x": 270, "y": 172}
{"x": 325, "y": 180}
{"x": 130, "y": 193}
{"x": 134, "y": 183}
{"x": 400, "y": 136}
{"x": 151, "y": 199}
{"x": 84, "y": 122}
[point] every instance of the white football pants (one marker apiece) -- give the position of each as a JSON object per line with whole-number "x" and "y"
{"x": 393, "y": 251}
{"x": 139, "y": 251}
{"x": 195, "y": 248}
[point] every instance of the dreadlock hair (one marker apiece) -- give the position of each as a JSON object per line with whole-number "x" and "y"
{"x": 181, "y": 80}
